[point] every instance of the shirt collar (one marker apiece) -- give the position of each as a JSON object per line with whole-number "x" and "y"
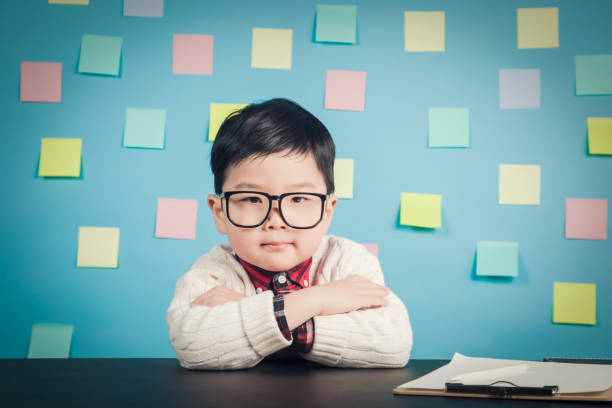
{"x": 262, "y": 278}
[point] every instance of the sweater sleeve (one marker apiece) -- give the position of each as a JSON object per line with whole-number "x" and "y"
{"x": 380, "y": 337}
{"x": 234, "y": 335}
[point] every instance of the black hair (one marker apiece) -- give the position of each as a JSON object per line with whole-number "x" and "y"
{"x": 273, "y": 126}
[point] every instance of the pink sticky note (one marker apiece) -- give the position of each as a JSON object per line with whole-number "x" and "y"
{"x": 586, "y": 218}
{"x": 192, "y": 54}
{"x": 345, "y": 90}
{"x": 41, "y": 82}
{"x": 372, "y": 248}
{"x": 176, "y": 218}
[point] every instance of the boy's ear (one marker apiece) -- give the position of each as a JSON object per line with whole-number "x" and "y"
{"x": 214, "y": 203}
{"x": 330, "y": 206}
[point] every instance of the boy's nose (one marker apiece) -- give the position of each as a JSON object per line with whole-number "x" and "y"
{"x": 274, "y": 219}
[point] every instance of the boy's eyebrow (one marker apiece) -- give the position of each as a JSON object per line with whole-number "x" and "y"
{"x": 256, "y": 186}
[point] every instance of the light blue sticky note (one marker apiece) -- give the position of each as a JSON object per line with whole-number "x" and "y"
{"x": 336, "y": 23}
{"x": 497, "y": 258}
{"x": 50, "y": 340}
{"x": 100, "y": 54}
{"x": 144, "y": 128}
{"x": 519, "y": 88}
{"x": 449, "y": 127}
{"x": 594, "y": 74}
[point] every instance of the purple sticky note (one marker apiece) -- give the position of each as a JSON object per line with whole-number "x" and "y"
{"x": 345, "y": 90}
{"x": 40, "y": 82}
{"x": 143, "y": 8}
{"x": 372, "y": 248}
{"x": 519, "y": 88}
{"x": 176, "y": 218}
{"x": 586, "y": 218}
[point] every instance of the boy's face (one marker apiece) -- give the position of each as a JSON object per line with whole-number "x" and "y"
{"x": 274, "y": 245}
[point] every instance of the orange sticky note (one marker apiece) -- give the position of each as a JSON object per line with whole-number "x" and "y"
{"x": 176, "y": 218}
{"x": 345, "y": 90}
{"x": 586, "y": 218}
{"x": 40, "y": 82}
{"x": 192, "y": 54}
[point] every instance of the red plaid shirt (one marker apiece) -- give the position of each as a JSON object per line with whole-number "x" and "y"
{"x": 282, "y": 283}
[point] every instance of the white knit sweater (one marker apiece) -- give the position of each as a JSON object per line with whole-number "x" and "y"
{"x": 240, "y": 334}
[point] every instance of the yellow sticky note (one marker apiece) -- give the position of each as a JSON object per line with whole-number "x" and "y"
{"x": 271, "y": 48}
{"x": 218, "y": 113}
{"x": 78, "y": 2}
{"x": 60, "y": 157}
{"x": 538, "y": 27}
{"x": 600, "y": 135}
{"x": 98, "y": 247}
{"x": 421, "y": 210}
{"x": 519, "y": 184}
{"x": 424, "y": 31}
{"x": 574, "y": 303}
{"x": 343, "y": 177}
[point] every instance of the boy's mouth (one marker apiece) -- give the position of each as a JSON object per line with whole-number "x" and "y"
{"x": 276, "y": 245}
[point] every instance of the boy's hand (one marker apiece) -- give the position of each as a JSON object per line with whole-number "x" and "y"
{"x": 353, "y": 293}
{"x": 217, "y": 296}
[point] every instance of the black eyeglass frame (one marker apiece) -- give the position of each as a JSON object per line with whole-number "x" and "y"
{"x": 279, "y": 198}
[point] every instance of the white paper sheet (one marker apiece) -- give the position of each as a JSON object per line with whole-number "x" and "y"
{"x": 570, "y": 378}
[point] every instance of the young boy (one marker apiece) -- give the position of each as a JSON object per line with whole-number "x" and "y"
{"x": 281, "y": 283}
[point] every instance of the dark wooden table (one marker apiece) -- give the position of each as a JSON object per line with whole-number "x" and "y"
{"x": 163, "y": 383}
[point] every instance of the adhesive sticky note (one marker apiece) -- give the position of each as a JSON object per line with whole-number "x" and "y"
{"x": 100, "y": 54}
{"x": 599, "y": 132}
{"x": 40, "y": 82}
{"x": 218, "y": 113}
{"x": 538, "y": 27}
{"x": 98, "y": 247}
{"x": 192, "y": 54}
{"x": 144, "y": 128}
{"x": 60, "y": 157}
{"x": 50, "y": 340}
{"x": 143, "y": 8}
{"x": 343, "y": 177}
{"x": 271, "y": 48}
{"x": 574, "y": 303}
{"x": 424, "y": 31}
{"x": 336, "y": 23}
{"x": 421, "y": 210}
{"x": 372, "y": 248}
{"x": 176, "y": 218}
{"x": 586, "y": 218}
{"x": 519, "y": 88}
{"x": 594, "y": 74}
{"x": 345, "y": 90}
{"x": 519, "y": 184}
{"x": 75, "y": 2}
{"x": 497, "y": 258}
{"x": 449, "y": 127}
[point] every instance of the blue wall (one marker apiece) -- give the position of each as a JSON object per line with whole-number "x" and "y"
{"x": 121, "y": 312}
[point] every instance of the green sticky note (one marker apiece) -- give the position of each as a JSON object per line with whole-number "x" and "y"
{"x": 343, "y": 177}
{"x": 600, "y": 135}
{"x": 594, "y": 74}
{"x": 50, "y": 340}
{"x": 98, "y": 247}
{"x": 574, "y": 303}
{"x": 100, "y": 54}
{"x": 449, "y": 127}
{"x": 421, "y": 210}
{"x": 144, "y": 128}
{"x": 336, "y": 23}
{"x": 497, "y": 258}
{"x": 218, "y": 113}
{"x": 60, "y": 157}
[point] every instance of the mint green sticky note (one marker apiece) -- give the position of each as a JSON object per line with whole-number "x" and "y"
{"x": 100, "y": 54}
{"x": 594, "y": 74}
{"x": 449, "y": 127}
{"x": 50, "y": 340}
{"x": 336, "y": 23}
{"x": 144, "y": 128}
{"x": 497, "y": 258}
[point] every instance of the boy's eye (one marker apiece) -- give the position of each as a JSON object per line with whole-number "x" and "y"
{"x": 251, "y": 200}
{"x": 298, "y": 199}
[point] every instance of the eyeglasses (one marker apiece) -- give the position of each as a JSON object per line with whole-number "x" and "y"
{"x": 250, "y": 209}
